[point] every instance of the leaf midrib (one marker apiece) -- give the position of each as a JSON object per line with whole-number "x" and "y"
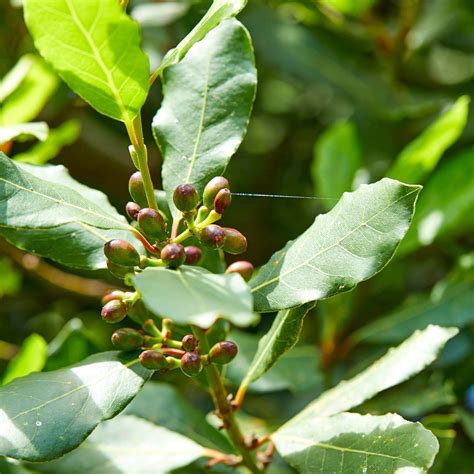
{"x": 306, "y": 262}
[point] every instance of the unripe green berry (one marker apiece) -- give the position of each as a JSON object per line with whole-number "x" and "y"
{"x": 153, "y": 360}
{"x": 223, "y": 352}
{"x": 222, "y": 200}
{"x": 193, "y": 255}
{"x": 118, "y": 271}
{"x": 127, "y": 339}
{"x": 185, "y": 197}
{"x": 132, "y": 209}
{"x": 152, "y": 224}
{"x": 189, "y": 343}
{"x": 244, "y": 268}
{"x": 113, "y": 295}
{"x": 122, "y": 253}
{"x": 114, "y": 311}
{"x": 137, "y": 189}
{"x": 234, "y": 242}
{"x": 212, "y": 188}
{"x": 191, "y": 364}
{"x": 212, "y": 236}
{"x": 173, "y": 255}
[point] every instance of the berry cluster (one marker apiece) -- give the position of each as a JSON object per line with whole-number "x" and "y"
{"x": 162, "y": 353}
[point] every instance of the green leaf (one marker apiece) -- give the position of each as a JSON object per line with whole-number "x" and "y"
{"x": 44, "y": 211}
{"x": 95, "y": 48}
{"x": 336, "y": 158}
{"x": 420, "y": 157}
{"x": 350, "y": 443}
{"x": 282, "y": 337}
{"x": 71, "y": 345}
{"x": 349, "y": 244}
{"x": 31, "y": 358}
{"x": 127, "y": 444}
{"x": 195, "y": 296}
{"x": 43, "y": 416}
{"x": 283, "y": 373}
{"x": 396, "y": 366}
{"x": 351, "y": 7}
{"x": 22, "y": 131}
{"x": 163, "y": 405}
{"x": 206, "y": 107}
{"x": 453, "y": 306}
{"x": 467, "y": 422}
{"x": 66, "y": 134}
{"x": 26, "y": 90}
{"x": 445, "y": 206}
{"x": 219, "y": 11}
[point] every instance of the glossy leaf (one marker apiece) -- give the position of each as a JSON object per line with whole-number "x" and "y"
{"x": 445, "y": 206}
{"x": 125, "y": 445}
{"x": 44, "y": 211}
{"x": 39, "y": 154}
{"x": 163, "y": 405}
{"x": 420, "y": 157}
{"x": 43, "y": 416}
{"x": 396, "y": 366}
{"x": 195, "y": 296}
{"x": 219, "y": 11}
{"x": 336, "y": 158}
{"x": 26, "y": 89}
{"x": 31, "y": 358}
{"x": 22, "y": 131}
{"x": 350, "y": 442}
{"x": 95, "y": 48}
{"x": 282, "y": 337}
{"x": 207, "y": 101}
{"x": 349, "y": 244}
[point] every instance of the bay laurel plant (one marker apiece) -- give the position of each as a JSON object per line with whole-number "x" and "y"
{"x": 176, "y": 291}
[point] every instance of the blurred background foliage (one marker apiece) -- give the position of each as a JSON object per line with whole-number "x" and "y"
{"x": 349, "y": 91}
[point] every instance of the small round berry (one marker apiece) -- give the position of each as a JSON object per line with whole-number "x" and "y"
{"x": 189, "y": 343}
{"x": 223, "y": 352}
{"x": 212, "y": 188}
{"x": 222, "y": 200}
{"x": 127, "y": 339}
{"x": 244, "y": 268}
{"x": 234, "y": 242}
{"x": 185, "y": 197}
{"x": 212, "y": 236}
{"x": 113, "y": 295}
{"x": 152, "y": 224}
{"x": 132, "y": 209}
{"x": 137, "y": 189}
{"x": 122, "y": 253}
{"x": 193, "y": 255}
{"x": 173, "y": 255}
{"x": 114, "y": 311}
{"x": 191, "y": 364}
{"x": 153, "y": 360}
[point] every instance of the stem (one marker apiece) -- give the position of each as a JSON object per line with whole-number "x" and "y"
{"x": 135, "y": 132}
{"x": 223, "y": 406}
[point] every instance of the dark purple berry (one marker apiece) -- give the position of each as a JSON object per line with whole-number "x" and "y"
{"x": 234, "y": 242}
{"x": 193, "y": 255}
{"x": 222, "y": 200}
{"x": 127, "y": 339}
{"x": 244, "y": 268}
{"x": 132, "y": 209}
{"x": 223, "y": 352}
{"x": 173, "y": 255}
{"x": 185, "y": 197}
{"x": 122, "y": 253}
{"x": 114, "y": 311}
{"x": 153, "y": 360}
{"x": 189, "y": 343}
{"x": 191, "y": 364}
{"x": 212, "y": 188}
{"x": 152, "y": 224}
{"x": 212, "y": 236}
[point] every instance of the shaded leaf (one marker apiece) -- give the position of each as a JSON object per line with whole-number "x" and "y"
{"x": 43, "y": 416}
{"x": 22, "y": 131}
{"x": 127, "y": 445}
{"x": 163, "y": 405}
{"x": 199, "y": 128}
{"x": 336, "y": 158}
{"x": 350, "y": 7}
{"x": 350, "y": 442}
{"x": 467, "y": 422}
{"x": 11, "y": 279}
{"x": 420, "y": 157}
{"x": 195, "y": 296}
{"x": 349, "y": 244}
{"x": 396, "y": 366}
{"x": 31, "y": 358}
{"x": 44, "y": 211}
{"x": 95, "y": 48}
{"x": 282, "y": 337}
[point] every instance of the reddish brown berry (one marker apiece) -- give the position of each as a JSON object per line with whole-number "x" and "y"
{"x": 212, "y": 188}
{"x": 137, "y": 189}
{"x": 222, "y": 200}
{"x": 189, "y": 343}
{"x": 152, "y": 224}
{"x": 132, "y": 209}
{"x": 153, "y": 360}
{"x": 185, "y": 197}
{"x": 173, "y": 255}
{"x": 122, "y": 253}
{"x": 191, "y": 364}
{"x": 244, "y": 268}
{"x": 113, "y": 295}
{"x": 223, "y": 352}
{"x": 127, "y": 339}
{"x": 193, "y": 255}
{"x": 114, "y": 311}
{"x": 212, "y": 236}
